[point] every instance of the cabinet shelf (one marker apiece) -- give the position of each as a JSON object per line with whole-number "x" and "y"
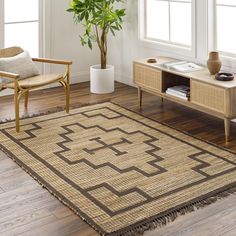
{"x": 172, "y": 97}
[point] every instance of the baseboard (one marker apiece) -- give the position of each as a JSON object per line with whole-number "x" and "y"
{"x": 76, "y": 78}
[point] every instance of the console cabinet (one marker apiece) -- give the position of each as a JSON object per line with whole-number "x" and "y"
{"x": 206, "y": 94}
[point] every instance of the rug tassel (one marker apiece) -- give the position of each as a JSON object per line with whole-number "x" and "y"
{"x": 170, "y": 217}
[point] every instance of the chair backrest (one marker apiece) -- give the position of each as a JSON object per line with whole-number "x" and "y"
{"x": 10, "y": 52}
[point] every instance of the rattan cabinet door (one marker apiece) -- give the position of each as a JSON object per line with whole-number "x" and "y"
{"x": 147, "y": 77}
{"x": 208, "y": 96}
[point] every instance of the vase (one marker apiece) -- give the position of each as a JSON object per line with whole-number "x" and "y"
{"x": 101, "y": 80}
{"x": 214, "y": 64}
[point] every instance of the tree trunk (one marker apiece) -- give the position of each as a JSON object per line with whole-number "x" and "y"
{"x": 103, "y": 50}
{"x": 103, "y": 60}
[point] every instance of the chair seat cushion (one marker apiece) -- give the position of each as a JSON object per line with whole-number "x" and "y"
{"x": 39, "y": 80}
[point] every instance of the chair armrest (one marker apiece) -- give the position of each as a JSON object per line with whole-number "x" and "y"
{"x": 53, "y": 61}
{"x": 9, "y": 75}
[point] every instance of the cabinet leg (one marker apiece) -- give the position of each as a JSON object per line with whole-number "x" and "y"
{"x": 227, "y": 129}
{"x": 162, "y": 100}
{"x": 140, "y": 97}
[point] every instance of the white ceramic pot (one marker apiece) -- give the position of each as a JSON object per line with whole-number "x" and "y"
{"x": 102, "y": 80}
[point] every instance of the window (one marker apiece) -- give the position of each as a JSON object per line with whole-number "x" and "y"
{"x": 225, "y": 35}
{"x": 169, "y": 21}
{"x": 21, "y": 25}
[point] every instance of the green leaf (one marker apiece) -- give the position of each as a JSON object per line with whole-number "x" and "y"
{"x": 105, "y": 15}
{"x": 90, "y": 44}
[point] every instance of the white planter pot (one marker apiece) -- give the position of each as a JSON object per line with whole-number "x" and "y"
{"x": 101, "y": 80}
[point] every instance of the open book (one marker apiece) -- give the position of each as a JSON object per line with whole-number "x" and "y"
{"x": 181, "y": 66}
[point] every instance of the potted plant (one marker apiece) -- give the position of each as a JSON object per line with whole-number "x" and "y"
{"x": 99, "y": 17}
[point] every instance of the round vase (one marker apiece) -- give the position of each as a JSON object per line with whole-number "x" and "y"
{"x": 102, "y": 80}
{"x": 214, "y": 64}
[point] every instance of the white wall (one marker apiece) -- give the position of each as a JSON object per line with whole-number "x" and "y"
{"x": 65, "y": 42}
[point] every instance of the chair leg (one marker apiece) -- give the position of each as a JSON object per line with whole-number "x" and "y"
{"x": 67, "y": 97}
{"x": 17, "y": 111}
{"x": 68, "y": 89}
{"x": 26, "y": 99}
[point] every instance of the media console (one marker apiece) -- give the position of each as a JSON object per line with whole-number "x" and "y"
{"x": 208, "y": 95}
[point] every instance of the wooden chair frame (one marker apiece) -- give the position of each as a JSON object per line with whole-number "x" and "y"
{"x": 19, "y": 91}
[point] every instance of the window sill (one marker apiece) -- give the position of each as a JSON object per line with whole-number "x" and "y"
{"x": 176, "y": 50}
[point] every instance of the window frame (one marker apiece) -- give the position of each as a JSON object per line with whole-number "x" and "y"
{"x": 225, "y": 55}
{"x": 1, "y": 23}
{"x": 163, "y": 45}
{"x": 41, "y": 22}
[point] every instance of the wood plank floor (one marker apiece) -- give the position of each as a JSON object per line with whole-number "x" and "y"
{"x": 28, "y": 209}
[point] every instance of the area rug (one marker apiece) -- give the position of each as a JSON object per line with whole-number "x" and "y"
{"x": 120, "y": 172}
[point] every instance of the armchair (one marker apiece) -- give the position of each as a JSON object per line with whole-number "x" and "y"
{"x": 23, "y": 86}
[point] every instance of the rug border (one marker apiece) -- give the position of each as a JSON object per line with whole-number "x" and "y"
{"x": 146, "y": 224}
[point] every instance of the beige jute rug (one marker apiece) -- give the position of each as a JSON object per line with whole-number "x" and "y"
{"x": 120, "y": 172}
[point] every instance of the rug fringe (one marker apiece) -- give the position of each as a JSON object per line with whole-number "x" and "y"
{"x": 158, "y": 222}
{"x": 54, "y": 110}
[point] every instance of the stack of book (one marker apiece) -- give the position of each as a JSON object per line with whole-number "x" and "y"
{"x": 180, "y": 91}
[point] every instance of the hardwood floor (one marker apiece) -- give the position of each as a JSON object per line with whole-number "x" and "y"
{"x": 28, "y": 209}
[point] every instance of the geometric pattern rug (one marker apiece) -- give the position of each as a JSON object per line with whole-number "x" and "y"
{"x": 120, "y": 172}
